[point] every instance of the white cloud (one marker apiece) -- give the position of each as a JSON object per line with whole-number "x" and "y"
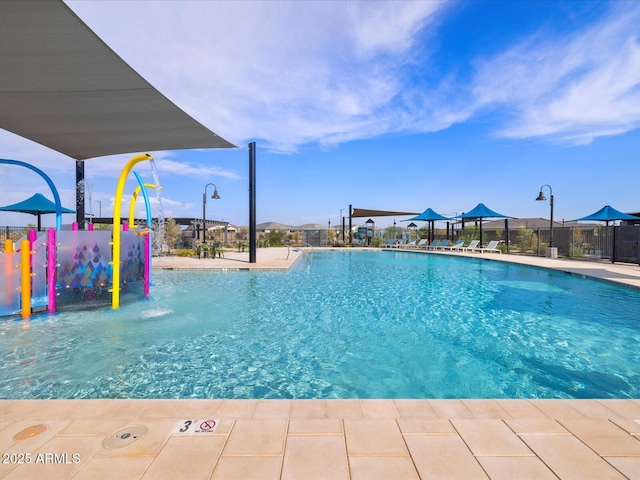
{"x": 569, "y": 89}
{"x": 286, "y": 73}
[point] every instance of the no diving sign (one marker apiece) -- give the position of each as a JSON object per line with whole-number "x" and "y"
{"x": 191, "y": 427}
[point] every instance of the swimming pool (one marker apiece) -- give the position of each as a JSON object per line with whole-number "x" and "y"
{"x": 353, "y": 324}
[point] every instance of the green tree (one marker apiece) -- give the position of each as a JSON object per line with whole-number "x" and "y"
{"x": 275, "y": 238}
{"x": 172, "y": 233}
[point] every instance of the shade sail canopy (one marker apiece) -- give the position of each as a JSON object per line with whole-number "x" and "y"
{"x": 427, "y": 216}
{"x": 63, "y": 87}
{"x": 37, "y": 205}
{"x": 607, "y": 214}
{"x": 482, "y": 211}
{"x": 479, "y": 212}
{"x": 363, "y": 212}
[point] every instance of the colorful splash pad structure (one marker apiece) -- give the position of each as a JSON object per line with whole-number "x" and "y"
{"x": 58, "y": 268}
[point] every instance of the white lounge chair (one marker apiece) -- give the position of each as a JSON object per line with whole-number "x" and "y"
{"x": 411, "y": 244}
{"x": 455, "y": 246}
{"x": 443, "y": 244}
{"x": 491, "y": 247}
{"x": 433, "y": 245}
{"x": 422, "y": 243}
{"x": 472, "y": 245}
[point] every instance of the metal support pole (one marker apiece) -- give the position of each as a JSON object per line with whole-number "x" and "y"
{"x": 506, "y": 233}
{"x": 350, "y": 226}
{"x": 80, "y": 188}
{"x": 252, "y": 202}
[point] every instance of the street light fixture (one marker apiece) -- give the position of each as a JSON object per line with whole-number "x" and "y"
{"x": 541, "y": 197}
{"x": 215, "y": 196}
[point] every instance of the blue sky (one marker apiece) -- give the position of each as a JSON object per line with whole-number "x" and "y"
{"x": 383, "y": 105}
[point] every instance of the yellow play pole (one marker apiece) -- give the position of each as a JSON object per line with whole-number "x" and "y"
{"x": 25, "y": 277}
{"x": 132, "y": 207}
{"x": 117, "y": 208}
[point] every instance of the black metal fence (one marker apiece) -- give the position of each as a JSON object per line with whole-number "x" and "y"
{"x": 12, "y": 233}
{"x": 616, "y": 244}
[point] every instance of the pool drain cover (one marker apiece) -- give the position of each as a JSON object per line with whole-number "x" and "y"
{"x": 125, "y": 437}
{"x": 30, "y": 432}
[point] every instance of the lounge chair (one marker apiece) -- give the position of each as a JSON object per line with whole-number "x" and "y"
{"x": 472, "y": 245}
{"x": 390, "y": 243}
{"x": 422, "y": 243}
{"x": 433, "y": 245}
{"x": 412, "y": 244}
{"x": 455, "y": 246}
{"x": 491, "y": 247}
{"x": 401, "y": 243}
{"x": 443, "y": 244}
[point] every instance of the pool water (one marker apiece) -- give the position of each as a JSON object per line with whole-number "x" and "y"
{"x": 352, "y": 324}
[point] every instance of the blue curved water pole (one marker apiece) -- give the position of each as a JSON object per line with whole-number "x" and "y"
{"x": 56, "y": 197}
{"x": 147, "y": 205}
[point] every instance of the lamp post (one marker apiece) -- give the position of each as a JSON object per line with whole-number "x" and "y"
{"x": 215, "y": 196}
{"x": 99, "y": 202}
{"x": 542, "y": 197}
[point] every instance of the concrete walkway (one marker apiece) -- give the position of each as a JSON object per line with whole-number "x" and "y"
{"x": 377, "y": 439}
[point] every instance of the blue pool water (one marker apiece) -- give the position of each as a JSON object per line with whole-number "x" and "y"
{"x": 352, "y": 325}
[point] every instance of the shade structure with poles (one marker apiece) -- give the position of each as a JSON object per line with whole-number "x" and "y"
{"x": 429, "y": 216}
{"x": 607, "y": 214}
{"x": 479, "y": 212}
{"x": 36, "y": 205}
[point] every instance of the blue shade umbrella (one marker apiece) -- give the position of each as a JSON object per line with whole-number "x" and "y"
{"x": 427, "y": 216}
{"x": 37, "y": 205}
{"x": 607, "y": 214}
{"x": 479, "y": 212}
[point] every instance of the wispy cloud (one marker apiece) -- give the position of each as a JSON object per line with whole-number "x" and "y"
{"x": 287, "y": 73}
{"x": 570, "y": 89}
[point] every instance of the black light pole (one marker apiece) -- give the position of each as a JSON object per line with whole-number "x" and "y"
{"x": 215, "y": 196}
{"x": 80, "y": 194}
{"x": 542, "y": 197}
{"x": 252, "y": 203}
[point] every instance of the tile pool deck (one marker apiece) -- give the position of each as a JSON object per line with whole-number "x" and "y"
{"x": 326, "y": 439}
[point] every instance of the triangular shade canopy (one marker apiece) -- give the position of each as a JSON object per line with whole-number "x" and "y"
{"x": 427, "y": 216}
{"x": 482, "y": 211}
{"x": 63, "y": 87}
{"x": 365, "y": 212}
{"x": 37, "y": 205}
{"x": 607, "y": 214}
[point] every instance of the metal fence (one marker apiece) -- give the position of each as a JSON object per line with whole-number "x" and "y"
{"x": 12, "y": 233}
{"x": 619, "y": 243}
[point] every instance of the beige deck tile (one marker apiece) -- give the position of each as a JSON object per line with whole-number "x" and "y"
{"x": 531, "y": 426}
{"x": 605, "y": 438}
{"x": 159, "y": 432}
{"x": 237, "y": 408}
{"x": 36, "y": 410}
{"x": 91, "y": 427}
{"x": 308, "y": 409}
{"x": 569, "y": 458}
{"x": 415, "y": 408}
{"x": 248, "y": 468}
{"x": 344, "y": 409}
{"x": 64, "y": 465}
{"x": 374, "y": 437}
{"x": 186, "y": 456}
{"x": 624, "y": 408}
{"x": 117, "y": 409}
{"x": 257, "y": 437}
{"x": 199, "y": 408}
{"x": 490, "y": 437}
{"x": 630, "y": 426}
{"x": 521, "y": 468}
{"x": 488, "y": 409}
{"x": 520, "y": 409}
{"x": 443, "y": 457}
{"x": 315, "y": 457}
{"x": 628, "y": 466}
{"x": 426, "y": 426}
{"x": 592, "y": 409}
{"x": 382, "y": 468}
{"x": 4, "y": 424}
{"x": 315, "y": 426}
{"x": 379, "y": 409}
{"x": 163, "y": 408}
{"x": 450, "y": 409}
{"x": 272, "y": 409}
{"x": 113, "y": 467}
{"x": 9, "y": 445}
{"x": 558, "y": 409}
